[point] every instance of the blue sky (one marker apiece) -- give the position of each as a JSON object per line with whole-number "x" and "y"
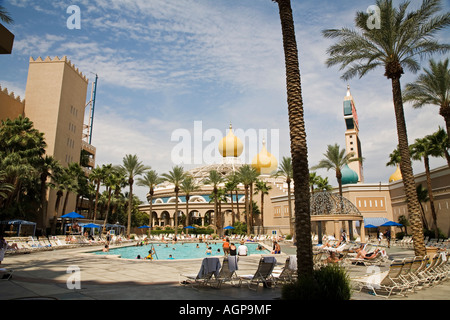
{"x": 163, "y": 65}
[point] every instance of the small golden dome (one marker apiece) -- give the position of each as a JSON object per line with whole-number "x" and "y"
{"x": 397, "y": 175}
{"x": 230, "y": 146}
{"x": 264, "y": 162}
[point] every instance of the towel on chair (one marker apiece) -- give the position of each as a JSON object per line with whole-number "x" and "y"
{"x": 292, "y": 262}
{"x": 270, "y": 259}
{"x": 209, "y": 265}
{"x": 233, "y": 263}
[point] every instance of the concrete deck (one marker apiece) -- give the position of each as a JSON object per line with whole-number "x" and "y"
{"x": 44, "y": 275}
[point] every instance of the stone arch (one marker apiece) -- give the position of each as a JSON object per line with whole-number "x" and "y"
{"x": 165, "y": 218}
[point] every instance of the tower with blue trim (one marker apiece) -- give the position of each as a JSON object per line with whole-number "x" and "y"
{"x": 352, "y": 142}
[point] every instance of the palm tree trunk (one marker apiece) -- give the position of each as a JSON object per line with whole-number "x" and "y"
{"x": 150, "y": 220}
{"x": 130, "y": 200}
{"x": 232, "y": 210}
{"x": 107, "y": 209}
{"x": 96, "y": 201}
{"x": 299, "y": 150}
{"x": 250, "y": 209}
{"x": 291, "y": 219}
{"x": 426, "y": 160}
{"x": 247, "y": 209}
{"x": 65, "y": 202}
{"x": 44, "y": 201}
{"x": 187, "y": 213}
{"x": 237, "y": 207}
{"x": 176, "y": 214}
{"x": 262, "y": 211}
{"x": 406, "y": 170}
{"x": 444, "y": 111}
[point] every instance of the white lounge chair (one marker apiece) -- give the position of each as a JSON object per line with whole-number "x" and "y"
{"x": 385, "y": 283}
{"x": 227, "y": 273}
{"x": 262, "y": 275}
{"x": 289, "y": 272}
{"x": 210, "y": 267}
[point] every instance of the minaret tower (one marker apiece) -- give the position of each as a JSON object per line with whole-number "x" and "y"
{"x": 352, "y": 142}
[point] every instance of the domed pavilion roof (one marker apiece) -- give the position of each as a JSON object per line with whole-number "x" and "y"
{"x": 326, "y": 203}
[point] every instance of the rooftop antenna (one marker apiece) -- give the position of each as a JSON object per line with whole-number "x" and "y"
{"x": 88, "y": 136}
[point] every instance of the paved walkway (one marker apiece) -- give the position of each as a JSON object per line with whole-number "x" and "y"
{"x": 48, "y": 275}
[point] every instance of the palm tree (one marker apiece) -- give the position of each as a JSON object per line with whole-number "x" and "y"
{"x": 188, "y": 185}
{"x": 5, "y": 187}
{"x": 132, "y": 167}
{"x": 150, "y": 180}
{"x": 422, "y": 149}
{"x": 285, "y": 170}
{"x": 401, "y": 39}
{"x": 231, "y": 185}
{"x": 313, "y": 179}
{"x": 441, "y": 142}
{"x": 432, "y": 87}
{"x": 322, "y": 184}
{"x": 422, "y": 195}
{"x": 336, "y": 159}
{"x": 176, "y": 177}
{"x": 215, "y": 178}
{"x": 48, "y": 166}
{"x": 97, "y": 176}
{"x": 113, "y": 182}
{"x": 4, "y": 15}
{"x": 247, "y": 176}
{"x": 299, "y": 148}
{"x": 70, "y": 183}
{"x": 263, "y": 188}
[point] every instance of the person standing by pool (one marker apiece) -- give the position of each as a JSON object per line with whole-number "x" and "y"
{"x": 233, "y": 250}
{"x": 226, "y": 246}
{"x": 276, "y": 248}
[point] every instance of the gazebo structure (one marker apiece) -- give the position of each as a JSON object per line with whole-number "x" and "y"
{"x": 329, "y": 207}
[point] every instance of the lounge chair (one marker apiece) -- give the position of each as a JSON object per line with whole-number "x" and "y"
{"x": 5, "y": 274}
{"x": 262, "y": 275}
{"x": 227, "y": 273}
{"x": 289, "y": 272}
{"x": 388, "y": 282}
{"x": 210, "y": 267}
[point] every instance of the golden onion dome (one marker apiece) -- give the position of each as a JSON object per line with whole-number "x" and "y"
{"x": 230, "y": 146}
{"x": 264, "y": 162}
{"x": 397, "y": 175}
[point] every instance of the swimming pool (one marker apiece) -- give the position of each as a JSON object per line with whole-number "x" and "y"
{"x": 178, "y": 251}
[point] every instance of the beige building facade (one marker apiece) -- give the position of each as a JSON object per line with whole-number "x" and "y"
{"x": 55, "y": 101}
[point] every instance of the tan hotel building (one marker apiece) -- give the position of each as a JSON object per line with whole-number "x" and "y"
{"x": 55, "y": 101}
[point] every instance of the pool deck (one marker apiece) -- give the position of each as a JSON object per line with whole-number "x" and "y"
{"x": 44, "y": 275}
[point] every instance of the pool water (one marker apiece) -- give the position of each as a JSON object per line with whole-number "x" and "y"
{"x": 178, "y": 251}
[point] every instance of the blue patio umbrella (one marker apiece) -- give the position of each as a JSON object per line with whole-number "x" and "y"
{"x": 228, "y": 227}
{"x": 72, "y": 215}
{"x": 189, "y": 227}
{"x": 91, "y": 225}
{"x": 391, "y": 224}
{"x": 143, "y": 227}
{"x": 370, "y": 226}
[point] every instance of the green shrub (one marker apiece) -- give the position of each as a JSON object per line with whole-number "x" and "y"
{"x": 328, "y": 283}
